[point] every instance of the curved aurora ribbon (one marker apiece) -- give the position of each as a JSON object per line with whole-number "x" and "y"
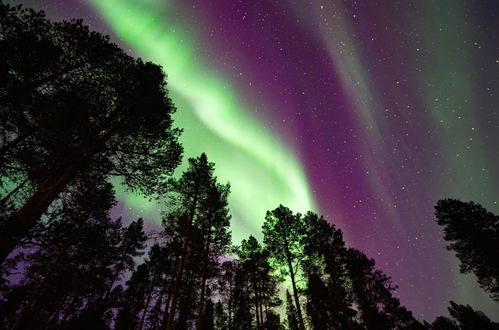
{"x": 262, "y": 172}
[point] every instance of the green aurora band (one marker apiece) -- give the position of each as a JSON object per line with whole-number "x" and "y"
{"x": 259, "y": 167}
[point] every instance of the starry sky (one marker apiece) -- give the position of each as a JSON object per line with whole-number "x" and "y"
{"x": 367, "y": 112}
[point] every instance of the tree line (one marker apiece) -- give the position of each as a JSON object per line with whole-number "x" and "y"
{"x": 76, "y": 110}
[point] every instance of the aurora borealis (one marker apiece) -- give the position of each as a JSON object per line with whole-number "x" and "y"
{"x": 365, "y": 111}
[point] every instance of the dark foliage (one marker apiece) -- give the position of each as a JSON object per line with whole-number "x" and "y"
{"x": 473, "y": 233}
{"x": 74, "y": 106}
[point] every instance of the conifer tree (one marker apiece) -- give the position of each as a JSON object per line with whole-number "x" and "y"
{"x": 282, "y": 232}
{"x": 226, "y": 284}
{"x": 241, "y": 300}
{"x": 216, "y": 239}
{"x": 199, "y": 215}
{"x": 262, "y": 284}
{"x": 473, "y": 233}
{"x": 443, "y": 323}
{"x": 469, "y": 319}
{"x": 327, "y": 291}
{"x": 373, "y": 295}
{"x": 67, "y": 273}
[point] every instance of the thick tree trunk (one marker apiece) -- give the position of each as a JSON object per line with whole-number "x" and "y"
{"x": 19, "y": 225}
{"x": 59, "y": 176}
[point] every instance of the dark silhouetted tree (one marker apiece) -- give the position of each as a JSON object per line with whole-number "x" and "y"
{"x": 473, "y": 233}
{"x": 84, "y": 109}
{"x": 443, "y": 323}
{"x": 372, "y": 291}
{"x": 199, "y": 215}
{"x": 262, "y": 285}
{"x": 241, "y": 300}
{"x": 329, "y": 300}
{"x": 282, "y": 232}
{"x": 68, "y": 272}
{"x": 469, "y": 319}
{"x": 215, "y": 239}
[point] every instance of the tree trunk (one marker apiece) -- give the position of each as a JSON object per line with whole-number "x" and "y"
{"x": 293, "y": 282}
{"x": 148, "y": 300}
{"x": 19, "y": 225}
{"x": 157, "y": 308}
{"x": 199, "y": 320}
{"x": 60, "y": 175}
{"x": 180, "y": 271}
{"x": 230, "y": 308}
{"x": 169, "y": 296}
{"x": 295, "y": 294}
{"x": 176, "y": 287}
{"x": 257, "y": 314}
{"x": 261, "y": 306}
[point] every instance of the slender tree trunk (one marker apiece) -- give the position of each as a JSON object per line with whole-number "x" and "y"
{"x": 293, "y": 282}
{"x": 199, "y": 320}
{"x": 176, "y": 287}
{"x": 49, "y": 320}
{"x": 115, "y": 277}
{"x": 200, "y": 309}
{"x": 169, "y": 296}
{"x": 261, "y": 306}
{"x": 266, "y": 309}
{"x": 148, "y": 300}
{"x": 230, "y": 308}
{"x": 257, "y": 314}
{"x": 295, "y": 294}
{"x": 180, "y": 271}
{"x": 157, "y": 308}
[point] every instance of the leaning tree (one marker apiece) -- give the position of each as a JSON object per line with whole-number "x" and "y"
{"x": 82, "y": 107}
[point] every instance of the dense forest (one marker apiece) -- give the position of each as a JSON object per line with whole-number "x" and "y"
{"x": 77, "y": 111}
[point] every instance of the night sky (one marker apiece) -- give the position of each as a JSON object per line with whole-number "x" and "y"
{"x": 367, "y": 112}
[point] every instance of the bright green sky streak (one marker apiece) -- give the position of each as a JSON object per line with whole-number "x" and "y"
{"x": 262, "y": 171}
